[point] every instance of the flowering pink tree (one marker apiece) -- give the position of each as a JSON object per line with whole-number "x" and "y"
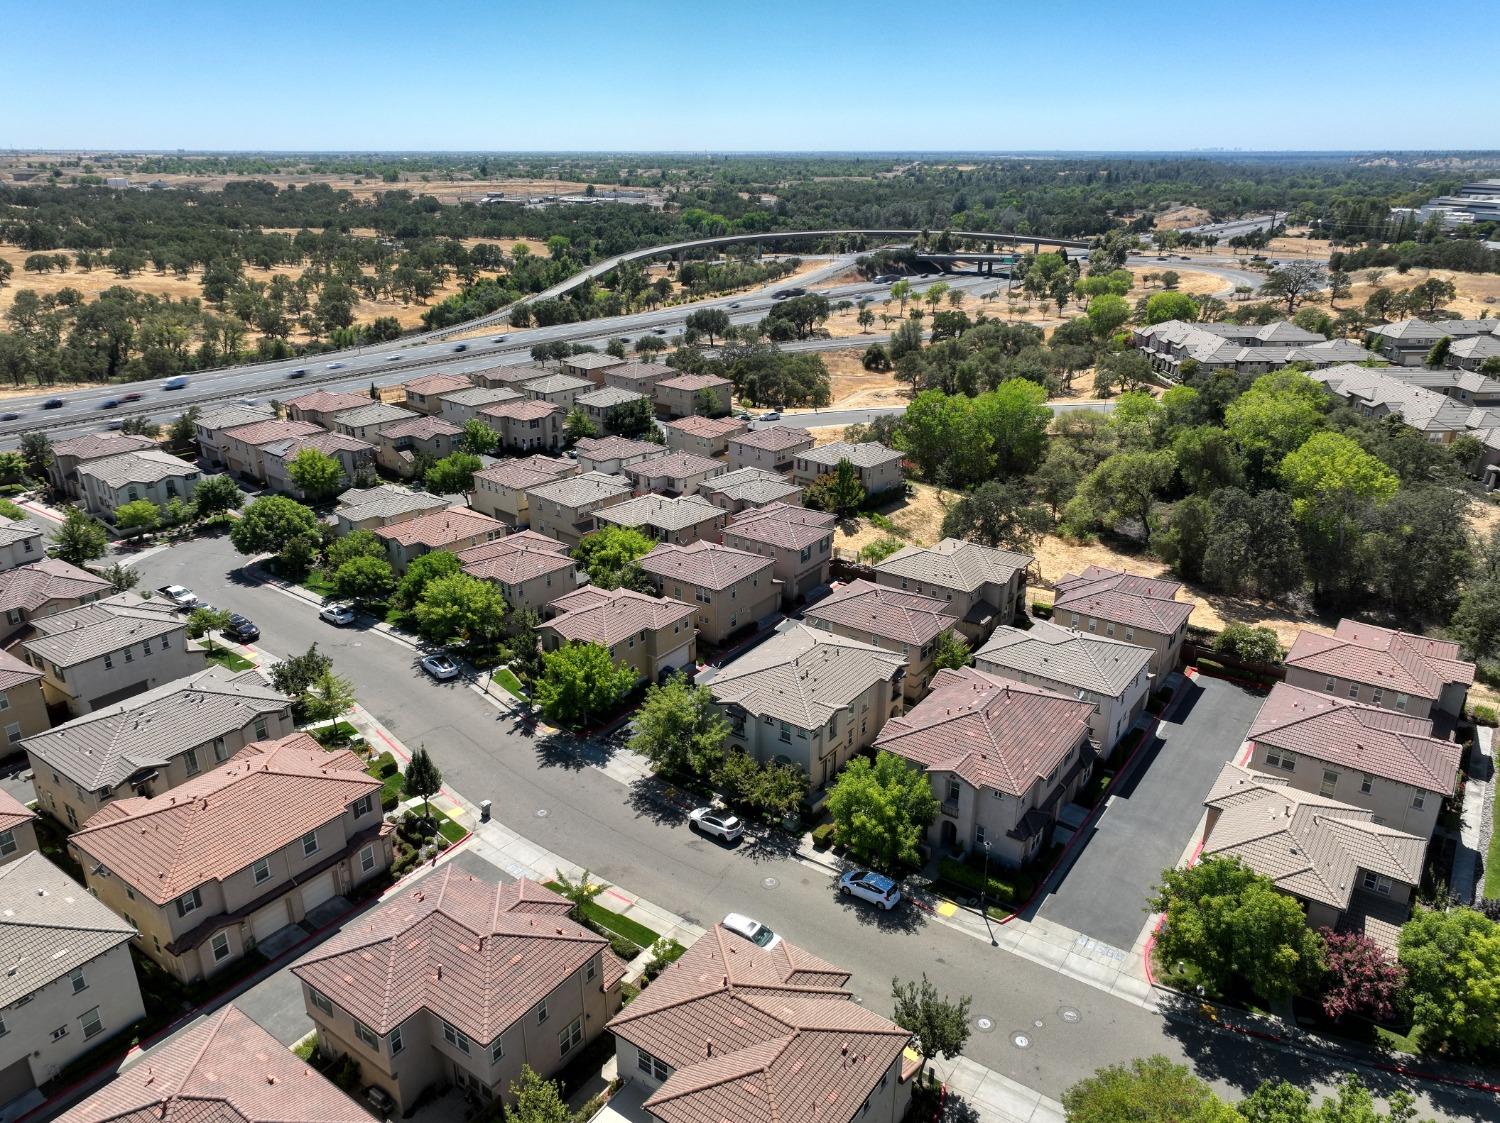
{"x": 1361, "y": 979}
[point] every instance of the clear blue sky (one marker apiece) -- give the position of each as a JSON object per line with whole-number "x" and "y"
{"x": 719, "y": 75}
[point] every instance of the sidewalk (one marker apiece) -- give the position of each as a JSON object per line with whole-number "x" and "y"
{"x": 1476, "y": 821}
{"x": 994, "y": 1097}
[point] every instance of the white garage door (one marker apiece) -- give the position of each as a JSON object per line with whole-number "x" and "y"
{"x": 318, "y": 890}
{"x": 678, "y": 659}
{"x": 269, "y": 921}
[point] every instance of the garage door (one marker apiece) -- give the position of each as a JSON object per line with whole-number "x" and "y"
{"x": 677, "y": 660}
{"x": 15, "y": 1080}
{"x": 316, "y": 891}
{"x": 269, "y": 921}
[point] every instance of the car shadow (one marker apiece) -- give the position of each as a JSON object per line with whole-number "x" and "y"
{"x": 905, "y": 917}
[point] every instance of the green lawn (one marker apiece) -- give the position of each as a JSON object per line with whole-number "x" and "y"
{"x": 506, "y": 678}
{"x": 226, "y": 658}
{"x": 450, "y": 828}
{"x": 1492, "y": 860}
{"x": 333, "y": 736}
{"x": 637, "y": 934}
{"x": 317, "y": 582}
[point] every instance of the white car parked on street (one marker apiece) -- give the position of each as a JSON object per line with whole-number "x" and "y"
{"x": 717, "y": 824}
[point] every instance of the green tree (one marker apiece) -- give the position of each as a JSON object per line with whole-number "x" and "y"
{"x": 422, "y": 571}
{"x": 328, "y": 697}
{"x": 999, "y": 515}
{"x": 478, "y": 439}
{"x": 1276, "y": 1101}
{"x": 772, "y": 789}
{"x": 712, "y": 322}
{"x": 355, "y": 544}
{"x": 1164, "y": 306}
{"x": 453, "y": 474}
{"x": 679, "y": 729}
{"x": 423, "y": 778}
{"x": 635, "y": 419}
{"x": 939, "y": 1025}
{"x": 1248, "y": 644}
{"x": 578, "y": 426}
{"x": 950, "y": 651}
{"x": 121, "y": 578}
{"x": 202, "y": 623}
{"x": 139, "y": 516}
{"x": 838, "y": 491}
{"x": 461, "y": 611}
{"x": 1127, "y": 486}
{"x": 81, "y": 538}
{"x": 1452, "y": 962}
{"x": 364, "y": 580}
{"x": 1207, "y": 459}
{"x": 270, "y": 523}
{"x": 294, "y": 674}
{"x": 610, "y": 556}
{"x": 580, "y": 681}
{"x": 1147, "y": 1090}
{"x": 1276, "y": 415}
{"x": 36, "y": 450}
{"x": 536, "y": 1100}
{"x": 1107, "y": 314}
{"x": 319, "y": 476}
{"x": 215, "y": 495}
{"x": 1331, "y": 467}
{"x": 881, "y": 810}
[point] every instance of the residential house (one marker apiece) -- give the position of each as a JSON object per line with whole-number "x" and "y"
{"x": 639, "y": 378}
{"x": 108, "y": 650}
{"x": 565, "y": 508}
{"x": 1003, "y": 758}
{"x": 242, "y": 447}
{"x": 210, "y": 870}
{"x": 460, "y": 406}
{"x": 612, "y": 455}
{"x": 732, "y": 589}
{"x": 1394, "y": 670}
{"x": 223, "y": 1066}
{"x": 733, "y": 1031}
{"x": 1440, "y": 415}
{"x": 463, "y": 982}
{"x": 530, "y": 569}
{"x": 454, "y": 529}
{"x": 984, "y": 586}
{"x": 603, "y": 406}
{"x": 153, "y": 475}
{"x": 1383, "y": 761}
{"x": 373, "y": 507}
{"x": 559, "y": 389}
{"x": 1347, "y": 871}
{"x": 703, "y": 436}
{"x": 153, "y": 742}
{"x": 20, "y": 544}
{"x": 878, "y": 467}
{"x": 525, "y": 424}
{"x": 322, "y": 406}
{"x": 69, "y": 984}
{"x": 1407, "y": 342}
{"x": 682, "y": 519}
{"x": 887, "y": 618}
{"x": 744, "y": 488}
{"x": 365, "y": 422}
{"x": 672, "y": 473}
{"x": 1471, "y": 354}
{"x": 402, "y": 446}
{"x": 652, "y": 635}
{"x": 590, "y": 366}
{"x": 808, "y": 697}
{"x": 1242, "y": 348}
{"x": 211, "y": 425}
{"x": 425, "y": 394}
{"x": 17, "y": 830}
{"x": 45, "y": 588}
{"x": 797, "y": 539}
{"x": 689, "y": 394}
{"x": 774, "y": 448}
{"x": 355, "y": 457}
{"x": 1139, "y": 610}
{"x": 71, "y": 452}
{"x": 500, "y": 490}
{"x": 23, "y": 707}
{"x": 510, "y": 377}
{"x": 1111, "y": 675}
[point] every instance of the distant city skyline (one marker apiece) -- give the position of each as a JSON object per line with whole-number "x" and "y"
{"x": 675, "y": 77}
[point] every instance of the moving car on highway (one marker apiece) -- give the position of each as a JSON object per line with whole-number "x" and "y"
{"x": 176, "y": 383}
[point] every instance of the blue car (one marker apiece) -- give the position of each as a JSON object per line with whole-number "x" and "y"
{"x": 870, "y": 886}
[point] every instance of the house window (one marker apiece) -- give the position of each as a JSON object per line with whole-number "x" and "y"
{"x": 190, "y": 901}
{"x": 1330, "y": 783}
{"x": 653, "y": 1067}
{"x": 191, "y": 758}
{"x": 497, "y": 1051}
{"x": 7, "y": 842}
{"x": 109, "y": 660}
{"x": 1109, "y": 628}
{"x": 260, "y": 729}
{"x": 220, "y": 945}
{"x": 1400, "y": 701}
{"x": 59, "y": 1033}
{"x": 129, "y": 658}
{"x": 1419, "y": 800}
{"x": 91, "y": 1024}
{"x": 362, "y": 806}
{"x": 75, "y": 977}
{"x": 309, "y": 844}
{"x": 13, "y": 732}
{"x": 1280, "y": 758}
{"x": 366, "y": 1035}
{"x": 1129, "y": 635}
{"x": 1093, "y": 624}
{"x": 979, "y": 835}
{"x": 1366, "y": 783}
{"x": 320, "y": 1000}
{"x": 221, "y": 750}
{"x": 1354, "y": 691}
{"x": 541, "y": 1013}
{"x": 166, "y": 642}
{"x": 786, "y": 732}
{"x": 1376, "y": 694}
{"x": 570, "y": 1038}
{"x": 262, "y": 870}
{"x": 591, "y": 970}
{"x": 4, "y": 1029}
{"x": 367, "y": 859}
{"x": 456, "y": 1037}
{"x": 954, "y": 788}
{"x": 394, "y": 1039}
{"x": 1377, "y": 884}
{"x": 1331, "y": 685}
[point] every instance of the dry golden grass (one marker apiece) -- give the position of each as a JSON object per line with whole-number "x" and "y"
{"x": 1478, "y": 293}
{"x": 918, "y": 518}
{"x": 1189, "y": 281}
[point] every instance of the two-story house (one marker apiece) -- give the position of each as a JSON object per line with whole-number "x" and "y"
{"x": 365, "y": 422}
{"x": 773, "y": 448}
{"x": 749, "y": 487}
{"x": 1378, "y": 759}
{"x": 355, "y": 457}
{"x": 509, "y": 377}
{"x": 565, "y": 509}
{"x": 654, "y": 636}
{"x": 460, "y": 406}
{"x": 69, "y": 984}
{"x": 209, "y": 870}
{"x": 878, "y": 467}
{"x": 1112, "y": 676}
{"x": 109, "y": 650}
{"x": 604, "y": 406}
{"x": 156, "y": 476}
{"x": 500, "y": 490}
{"x": 425, "y": 394}
{"x": 402, "y": 446}
{"x": 687, "y": 394}
{"x": 525, "y": 424}
{"x": 20, "y": 544}
{"x": 637, "y": 377}
{"x": 1116, "y": 605}
{"x": 888, "y": 618}
{"x": 210, "y": 426}
{"x": 243, "y": 447}
{"x": 322, "y": 406}
{"x": 590, "y": 365}
{"x": 461, "y": 981}
{"x": 17, "y": 829}
{"x": 984, "y": 586}
{"x": 152, "y": 742}
{"x": 454, "y": 529}
{"x": 530, "y": 569}
{"x": 672, "y": 473}
{"x": 703, "y": 436}
{"x": 383, "y": 505}
{"x": 681, "y": 519}
{"x": 71, "y": 452}
{"x": 732, "y": 589}
{"x": 559, "y": 389}
{"x": 1003, "y": 758}
{"x": 612, "y": 455}
{"x": 1399, "y": 671}
{"x": 45, "y": 588}
{"x": 799, "y": 540}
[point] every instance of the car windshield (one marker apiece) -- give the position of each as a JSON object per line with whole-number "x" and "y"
{"x": 763, "y": 936}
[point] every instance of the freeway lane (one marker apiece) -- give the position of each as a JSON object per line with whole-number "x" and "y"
{"x": 627, "y": 837}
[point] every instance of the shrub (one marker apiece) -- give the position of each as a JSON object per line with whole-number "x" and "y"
{"x": 1008, "y": 887}
{"x": 385, "y": 765}
{"x": 1248, "y": 645}
{"x": 1041, "y": 611}
{"x": 823, "y": 837}
{"x": 1483, "y": 715}
{"x": 664, "y": 953}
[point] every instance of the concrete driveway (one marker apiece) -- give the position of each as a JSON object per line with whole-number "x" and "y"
{"x": 1148, "y": 821}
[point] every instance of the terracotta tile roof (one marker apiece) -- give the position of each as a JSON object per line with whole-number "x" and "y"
{"x": 109, "y": 745}
{"x": 222, "y": 1069}
{"x": 1064, "y": 655}
{"x": 606, "y": 397}
{"x": 13, "y": 672}
{"x": 781, "y": 524}
{"x": 478, "y": 954}
{"x": 528, "y": 472}
{"x": 269, "y": 432}
{"x": 93, "y": 446}
{"x": 385, "y": 501}
{"x": 144, "y": 467}
{"x": 594, "y": 615}
{"x": 1311, "y": 847}
{"x": 522, "y": 409}
{"x": 803, "y": 675}
{"x": 1370, "y": 739}
{"x": 420, "y": 428}
{"x": 1137, "y": 602}
{"x": 672, "y": 466}
{"x": 330, "y": 444}
{"x": 49, "y": 925}
{"x": 709, "y": 427}
{"x": 694, "y": 382}
{"x": 582, "y": 489}
{"x": 327, "y": 401}
{"x": 887, "y": 613}
{"x": 663, "y": 514}
{"x": 757, "y": 1036}
{"x": 774, "y": 438}
{"x": 613, "y": 448}
{"x": 1396, "y": 661}
{"x": 90, "y": 630}
{"x": 440, "y": 528}
{"x": 955, "y": 564}
{"x": 431, "y": 384}
{"x": 705, "y": 564}
{"x": 992, "y": 732}
{"x": 516, "y": 558}
{"x": 31, "y": 586}
{"x": 865, "y": 454}
{"x": 221, "y": 821}
{"x": 13, "y": 812}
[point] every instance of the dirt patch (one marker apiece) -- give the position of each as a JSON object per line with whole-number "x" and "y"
{"x": 918, "y": 518}
{"x": 1188, "y": 281}
{"x": 1180, "y": 218}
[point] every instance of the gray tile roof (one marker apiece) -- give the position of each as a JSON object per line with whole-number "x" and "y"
{"x": 1136, "y": 602}
{"x": 614, "y": 448}
{"x": 376, "y": 413}
{"x": 706, "y": 564}
{"x": 384, "y": 501}
{"x": 106, "y": 747}
{"x": 31, "y": 586}
{"x": 672, "y": 465}
{"x": 751, "y": 485}
{"x": 889, "y": 613}
{"x": 866, "y": 454}
{"x": 553, "y": 383}
{"x": 773, "y": 438}
{"x": 92, "y": 446}
{"x": 662, "y": 513}
{"x": 593, "y": 362}
{"x": 480, "y": 396}
{"x": 147, "y": 466}
{"x": 528, "y": 471}
{"x": 90, "y": 630}
{"x": 12, "y": 531}
{"x": 955, "y": 564}
{"x": 587, "y": 487}
{"x": 604, "y": 398}
{"x": 1065, "y": 656}
{"x": 49, "y": 924}
{"x": 231, "y": 416}
{"x": 642, "y": 372}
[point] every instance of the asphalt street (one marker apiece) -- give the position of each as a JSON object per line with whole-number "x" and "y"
{"x": 553, "y": 791}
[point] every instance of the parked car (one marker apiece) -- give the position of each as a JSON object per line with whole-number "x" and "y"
{"x": 181, "y": 596}
{"x": 441, "y": 666}
{"x": 736, "y": 304}
{"x": 718, "y": 824}
{"x": 248, "y": 401}
{"x": 300, "y": 372}
{"x": 241, "y": 628}
{"x": 774, "y": 415}
{"x": 53, "y": 403}
{"x": 752, "y": 930}
{"x": 870, "y": 886}
{"x": 337, "y": 614}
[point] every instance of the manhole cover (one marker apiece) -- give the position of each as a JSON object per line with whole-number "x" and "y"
{"x": 1021, "y": 1040}
{"x": 541, "y": 812}
{"x": 1070, "y": 1015}
{"x": 769, "y": 883}
{"x": 1037, "y": 1023}
{"x": 984, "y": 1025}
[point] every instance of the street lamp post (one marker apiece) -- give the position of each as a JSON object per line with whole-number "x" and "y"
{"x": 983, "y": 889}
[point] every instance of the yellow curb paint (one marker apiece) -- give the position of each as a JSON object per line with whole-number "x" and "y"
{"x": 947, "y": 908}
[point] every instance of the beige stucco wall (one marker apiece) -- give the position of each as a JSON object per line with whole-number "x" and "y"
{"x": 24, "y": 713}
{"x": 1347, "y": 690}
{"x": 1392, "y": 802}
{"x": 722, "y": 612}
{"x": 799, "y": 571}
{"x": 90, "y": 685}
